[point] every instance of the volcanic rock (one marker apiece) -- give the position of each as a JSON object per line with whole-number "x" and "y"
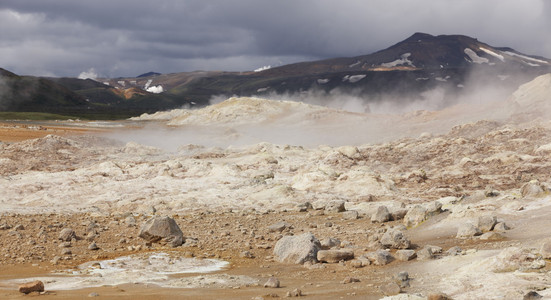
{"x": 297, "y": 249}
{"x": 162, "y": 228}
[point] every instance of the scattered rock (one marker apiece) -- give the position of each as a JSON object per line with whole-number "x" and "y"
{"x": 390, "y": 289}
{"x": 425, "y": 253}
{"x": 348, "y": 280}
{"x": 329, "y": 243}
{"x": 415, "y": 216}
{"x": 67, "y": 234}
{"x": 380, "y": 257}
{"x": 246, "y": 254}
{"x": 532, "y": 295}
{"x": 454, "y": 251}
{"x": 501, "y": 227}
{"x": 19, "y": 227}
{"x": 278, "y": 227}
{"x": 360, "y": 262}
{"x": 294, "y": 293}
{"x": 66, "y": 251}
{"x": 405, "y": 255}
{"x": 335, "y": 206}
{"x": 93, "y": 294}
{"x": 297, "y": 249}
{"x": 532, "y": 188}
{"x": 486, "y": 223}
{"x": 93, "y": 246}
{"x": 334, "y": 256}
{"x": 29, "y": 287}
{"x": 381, "y": 215}
{"x": 513, "y": 258}
{"x": 395, "y": 239}
{"x": 439, "y": 296}
{"x": 467, "y": 230}
{"x": 302, "y": 207}
{"x": 350, "y": 215}
{"x": 272, "y": 283}
{"x": 398, "y": 214}
{"x": 434, "y": 208}
{"x": 402, "y": 279}
{"x": 162, "y": 228}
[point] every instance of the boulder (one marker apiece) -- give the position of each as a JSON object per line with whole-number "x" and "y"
{"x": 415, "y": 216}
{"x": 491, "y": 236}
{"x": 398, "y": 214}
{"x": 29, "y": 287}
{"x": 434, "y": 208}
{"x": 425, "y": 253}
{"x": 272, "y": 283}
{"x": 532, "y": 188}
{"x": 486, "y": 223}
{"x": 390, "y": 289}
{"x": 335, "y": 206}
{"x": 297, "y": 249}
{"x": 380, "y": 257}
{"x": 467, "y": 230}
{"x": 395, "y": 239}
{"x": 405, "y": 255}
{"x": 501, "y": 227}
{"x": 162, "y": 229}
{"x": 454, "y": 251}
{"x": 350, "y": 215}
{"x": 545, "y": 250}
{"x": 381, "y": 215}
{"x": 334, "y": 256}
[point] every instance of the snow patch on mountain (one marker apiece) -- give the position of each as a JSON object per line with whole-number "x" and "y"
{"x": 492, "y": 53}
{"x": 475, "y": 58}
{"x": 403, "y": 60}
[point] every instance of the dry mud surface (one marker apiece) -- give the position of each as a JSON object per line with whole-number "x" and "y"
{"x": 105, "y": 185}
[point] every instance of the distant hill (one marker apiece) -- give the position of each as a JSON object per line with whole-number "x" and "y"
{"x": 410, "y": 70}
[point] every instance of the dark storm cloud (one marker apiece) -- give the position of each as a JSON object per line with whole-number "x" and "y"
{"x": 126, "y": 38}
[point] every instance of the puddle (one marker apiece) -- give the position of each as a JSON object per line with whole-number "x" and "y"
{"x": 147, "y": 268}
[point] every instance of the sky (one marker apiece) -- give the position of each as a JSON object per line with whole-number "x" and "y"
{"x": 125, "y": 38}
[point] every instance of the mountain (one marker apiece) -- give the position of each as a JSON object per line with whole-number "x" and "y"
{"x": 416, "y": 70}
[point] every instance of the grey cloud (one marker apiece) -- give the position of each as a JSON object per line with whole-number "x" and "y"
{"x": 125, "y": 38}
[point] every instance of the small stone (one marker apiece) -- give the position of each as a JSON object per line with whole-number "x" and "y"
{"x": 272, "y": 283}
{"x": 93, "y": 294}
{"x": 545, "y": 250}
{"x": 329, "y": 243}
{"x": 439, "y": 296}
{"x": 415, "y": 216}
{"x": 381, "y": 215}
{"x": 66, "y": 251}
{"x": 402, "y": 279}
{"x": 405, "y": 255}
{"x": 380, "y": 257}
{"x": 294, "y": 293}
{"x": 91, "y": 236}
{"x": 19, "y": 227}
{"x": 246, "y": 254}
{"x": 454, "y": 251}
{"x": 425, "y": 253}
{"x": 398, "y": 214}
{"x": 390, "y": 289}
{"x": 29, "y": 287}
{"x": 434, "y": 208}
{"x": 532, "y": 188}
{"x": 67, "y": 234}
{"x": 334, "y": 256}
{"x": 278, "y": 227}
{"x": 486, "y": 223}
{"x": 532, "y": 295}
{"x": 55, "y": 260}
{"x": 467, "y": 230}
{"x": 395, "y": 239}
{"x": 350, "y": 215}
{"x": 501, "y": 227}
{"x": 302, "y": 207}
{"x": 93, "y": 246}
{"x": 335, "y": 206}
{"x": 348, "y": 280}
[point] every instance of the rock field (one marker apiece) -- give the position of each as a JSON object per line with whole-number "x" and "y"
{"x": 458, "y": 212}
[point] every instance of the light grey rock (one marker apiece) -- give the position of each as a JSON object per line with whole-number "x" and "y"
{"x": 278, "y": 227}
{"x": 402, "y": 279}
{"x": 360, "y": 262}
{"x": 329, "y": 243}
{"x": 272, "y": 283}
{"x": 381, "y": 215}
{"x": 390, "y": 289}
{"x": 434, "y": 208}
{"x": 501, "y": 227}
{"x": 425, "y": 253}
{"x": 398, "y": 214}
{"x": 350, "y": 215}
{"x": 533, "y": 188}
{"x": 467, "y": 230}
{"x": 302, "y": 207}
{"x": 335, "y": 206}
{"x": 93, "y": 246}
{"x": 334, "y": 256}
{"x": 405, "y": 255}
{"x": 532, "y": 295}
{"x": 415, "y": 216}
{"x": 162, "y": 229}
{"x": 348, "y": 280}
{"x": 454, "y": 251}
{"x": 395, "y": 239}
{"x": 491, "y": 236}
{"x": 545, "y": 249}
{"x": 297, "y": 249}
{"x": 67, "y": 234}
{"x": 486, "y": 223}
{"x": 380, "y": 257}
